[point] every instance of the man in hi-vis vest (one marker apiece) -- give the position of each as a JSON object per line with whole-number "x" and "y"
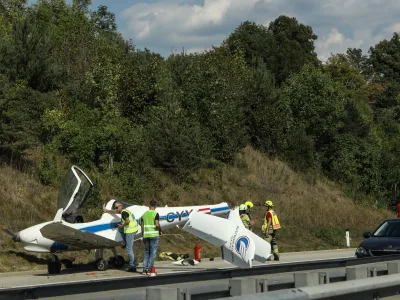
{"x": 269, "y": 228}
{"x": 130, "y": 227}
{"x": 150, "y": 223}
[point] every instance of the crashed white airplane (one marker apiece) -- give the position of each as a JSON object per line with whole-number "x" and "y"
{"x": 239, "y": 245}
{"x": 68, "y": 232}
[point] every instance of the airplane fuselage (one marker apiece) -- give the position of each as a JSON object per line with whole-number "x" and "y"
{"x": 34, "y": 241}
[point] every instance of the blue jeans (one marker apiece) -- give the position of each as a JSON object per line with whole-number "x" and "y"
{"x": 129, "y": 239}
{"x": 151, "y": 246}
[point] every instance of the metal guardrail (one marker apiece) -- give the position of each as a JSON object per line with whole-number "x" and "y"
{"x": 361, "y": 289}
{"x": 98, "y": 285}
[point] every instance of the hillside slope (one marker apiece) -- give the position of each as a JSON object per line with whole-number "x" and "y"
{"x": 314, "y": 213}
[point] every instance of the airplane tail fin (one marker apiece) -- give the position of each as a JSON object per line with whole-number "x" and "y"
{"x": 237, "y": 247}
{"x": 58, "y": 216}
{"x": 263, "y": 248}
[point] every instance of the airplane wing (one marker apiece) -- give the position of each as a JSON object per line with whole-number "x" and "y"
{"x": 75, "y": 238}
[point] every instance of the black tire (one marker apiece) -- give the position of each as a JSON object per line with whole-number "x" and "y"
{"x": 101, "y": 264}
{"x": 67, "y": 263}
{"x": 118, "y": 261}
{"x": 54, "y": 266}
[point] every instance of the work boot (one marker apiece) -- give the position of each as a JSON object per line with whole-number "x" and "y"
{"x": 275, "y": 252}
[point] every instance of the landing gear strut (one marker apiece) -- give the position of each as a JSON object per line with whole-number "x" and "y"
{"x": 54, "y": 265}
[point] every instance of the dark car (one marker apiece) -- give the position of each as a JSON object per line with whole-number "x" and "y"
{"x": 385, "y": 240}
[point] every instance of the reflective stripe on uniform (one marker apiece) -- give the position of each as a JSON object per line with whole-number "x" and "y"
{"x": 133, "y": 225}
{"x": 149, "y": 227}
{"x": 275, "y": 222}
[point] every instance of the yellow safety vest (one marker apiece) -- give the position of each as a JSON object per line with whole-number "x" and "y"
{"x": 149, "y": 228}
{"x": 245, "y": 220}
{"x": 275, "y": 222}
{"x": 132, "y": 226}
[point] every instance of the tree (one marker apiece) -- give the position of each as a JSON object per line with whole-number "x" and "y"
{"x": 345, "y": 71}
{"x": 176, "y": 142}
{"x": 214, "y": 89}
{"x": 295, "y": 47}
{"x": 21, "y": 109}
{"x": 267, "y": 119}
{"x": 253, "y": 41}
{"x": 317, "y": 103}
{"x": 103, "y": 19}
{"x": 385, "y": 59}
{"x": 12, "y": 9}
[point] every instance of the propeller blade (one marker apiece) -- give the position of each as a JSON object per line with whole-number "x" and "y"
{"x": 15, "y": 236}
{"x": 9, "y": 232}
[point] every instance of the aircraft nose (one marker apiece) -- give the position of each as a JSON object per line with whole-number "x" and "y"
{"x": 16, "y": 237}
{"x": 24, "y": 236}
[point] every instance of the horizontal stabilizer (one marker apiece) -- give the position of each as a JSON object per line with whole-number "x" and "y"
{"x": 75, "y": 238}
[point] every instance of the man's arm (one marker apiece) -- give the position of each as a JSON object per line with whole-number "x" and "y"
{"x": 268, "y": 225}
{"x": 111, "y": 211}
{"x": 141, "y": 225}
{"x": 157, "y": 223}
{"x": 124, "y": 216}
{"x": 125, "y": 224}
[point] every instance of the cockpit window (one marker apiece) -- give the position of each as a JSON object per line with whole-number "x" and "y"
{"x": 74, "y": 189}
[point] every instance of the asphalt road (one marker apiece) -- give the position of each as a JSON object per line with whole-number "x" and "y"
{"x": 17, "y": 279}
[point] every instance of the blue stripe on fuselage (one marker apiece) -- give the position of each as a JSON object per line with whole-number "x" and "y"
{"x": 101, "y": 227}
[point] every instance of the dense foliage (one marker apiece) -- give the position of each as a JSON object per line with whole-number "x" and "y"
{"x": 72, "y": 87}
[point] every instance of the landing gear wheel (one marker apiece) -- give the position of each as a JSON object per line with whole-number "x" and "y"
{"x": 118, "y": 261}
{"x": 101, "y": 264}
{"x": 67, "y": 263}
{"x": 54, "y": 265}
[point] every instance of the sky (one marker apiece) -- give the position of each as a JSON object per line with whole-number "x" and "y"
{"x": 165, "y": 26}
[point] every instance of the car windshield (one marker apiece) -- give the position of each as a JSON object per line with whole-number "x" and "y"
{"x": 388, "y": 229}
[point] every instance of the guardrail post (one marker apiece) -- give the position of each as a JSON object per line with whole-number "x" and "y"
{"x": 323, "y": 277}
{"x": 261, "y": 285}
{"x": 353, "y": 273}
{"x": 184, "y": 294}
{"x": 154, "y": 293}
{"x": 303, "y": 279}
{"x": 393, "y": 267}
{"x": 372, "y": 272}
{"x": 242, "y": 286}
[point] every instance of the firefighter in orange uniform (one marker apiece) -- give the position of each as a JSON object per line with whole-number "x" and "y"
{"x": 269, "y": 228}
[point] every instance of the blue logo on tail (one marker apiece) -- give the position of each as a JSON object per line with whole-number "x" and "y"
{"x": 242, "y": 244}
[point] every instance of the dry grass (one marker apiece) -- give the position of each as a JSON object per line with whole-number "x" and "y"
{"x": 313, "y": 214}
